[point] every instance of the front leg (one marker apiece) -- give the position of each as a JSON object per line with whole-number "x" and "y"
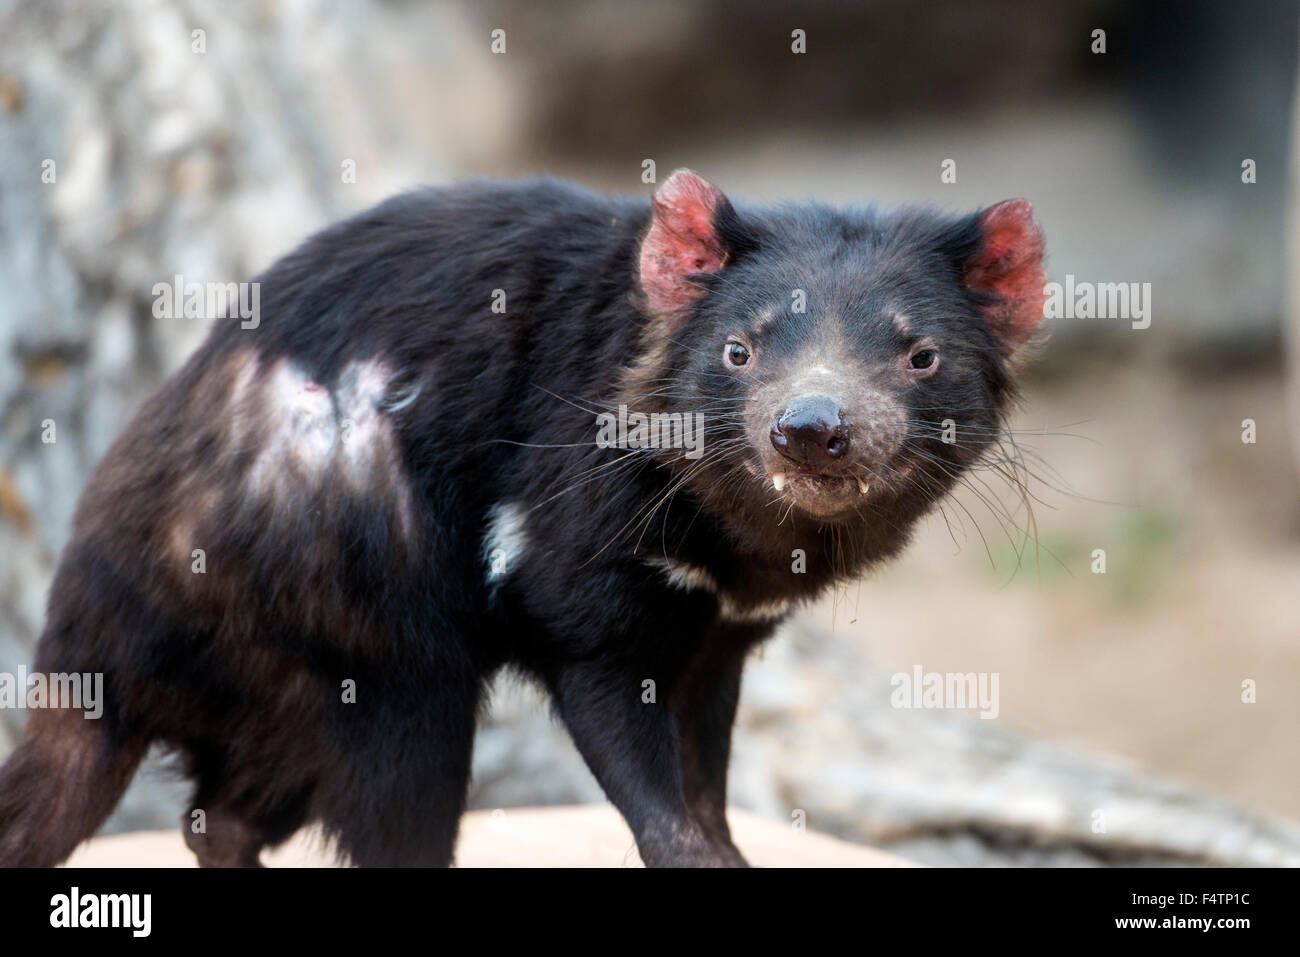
{"x": 705, "y": 708}
{"x": 630, "y": 744}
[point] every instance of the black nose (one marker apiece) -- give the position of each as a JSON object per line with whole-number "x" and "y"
{"x": 811, "y": 431}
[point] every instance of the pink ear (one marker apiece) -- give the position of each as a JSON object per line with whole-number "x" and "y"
{"x": 682, "y": 240}
{"x": 1009, "y": 265}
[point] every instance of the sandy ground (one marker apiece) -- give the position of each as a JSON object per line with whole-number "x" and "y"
{"x": 593, "y": 836}
{"x": 1202, "y": 535}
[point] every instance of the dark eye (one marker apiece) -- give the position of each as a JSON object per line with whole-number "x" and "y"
{"x": 735, "y": 354}
{"x": 925, "y": 359}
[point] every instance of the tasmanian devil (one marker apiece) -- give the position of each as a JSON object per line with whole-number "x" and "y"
{"x": 605, "y": 442}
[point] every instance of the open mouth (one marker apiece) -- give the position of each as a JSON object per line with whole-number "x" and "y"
{"x": 820, "y": 483}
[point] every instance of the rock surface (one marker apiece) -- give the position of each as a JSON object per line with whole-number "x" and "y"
{"x": 818, "y": 741}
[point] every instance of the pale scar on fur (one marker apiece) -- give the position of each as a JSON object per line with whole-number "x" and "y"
{"x": 307, "y": 439}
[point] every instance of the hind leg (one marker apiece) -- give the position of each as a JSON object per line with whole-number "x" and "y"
{"x": 233, "y": 834}
{"x": 65, "y": 777}
{"x": 220, "y": 838}
{"x": 240, "y": 804}
{"x": 395, "y": 797}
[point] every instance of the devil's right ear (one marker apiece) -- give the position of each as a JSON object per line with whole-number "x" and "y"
{"x": 683, "y": 241}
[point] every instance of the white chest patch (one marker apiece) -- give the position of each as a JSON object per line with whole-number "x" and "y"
{"x": 505, "y": 540}
{"x": 690, "y": 577}
{"x": 684, "y": 575}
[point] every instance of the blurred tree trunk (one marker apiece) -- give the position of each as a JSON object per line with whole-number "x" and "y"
{"x": 1291, "y": 304}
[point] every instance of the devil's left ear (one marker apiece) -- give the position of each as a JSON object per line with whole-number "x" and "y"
{"x": 683, "y": 240}
{"x": 1007, "y": 267}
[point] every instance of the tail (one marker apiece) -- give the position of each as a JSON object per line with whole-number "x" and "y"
{"x": 61, "y": 782}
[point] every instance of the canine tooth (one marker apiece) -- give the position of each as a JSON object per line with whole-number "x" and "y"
{"x": 778, "y": 480}
{"x": 863, "y": 487}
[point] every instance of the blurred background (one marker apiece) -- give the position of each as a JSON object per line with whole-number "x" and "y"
{"x": 133, "y": 148}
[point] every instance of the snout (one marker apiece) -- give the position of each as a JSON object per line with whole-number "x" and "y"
{"x": 825, "y": 449}
{"x": 811, "y": 432}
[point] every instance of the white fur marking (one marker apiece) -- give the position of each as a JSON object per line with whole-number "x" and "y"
{"x": 690, "y": 577}
{"x": 762, "y": 612}
{"x": 684, "y": 575}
